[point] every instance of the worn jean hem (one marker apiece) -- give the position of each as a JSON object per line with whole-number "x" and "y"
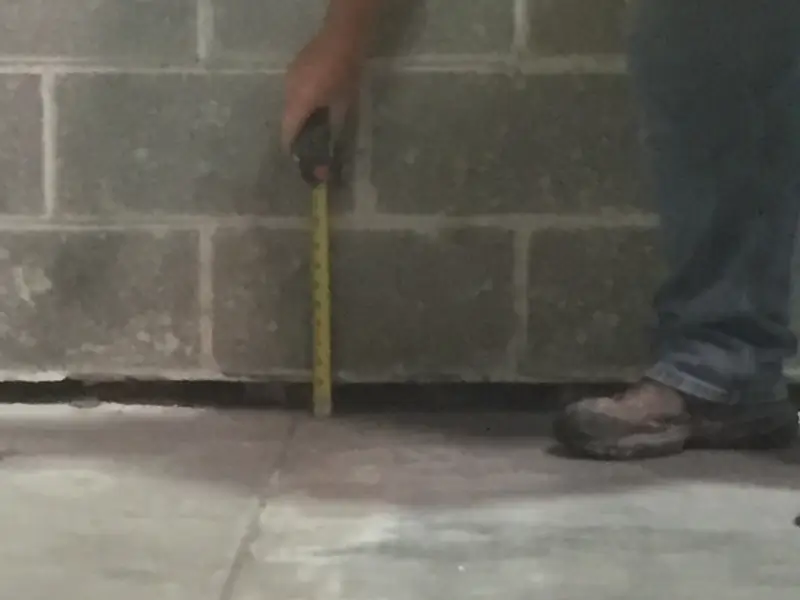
{"x": 668, "y": 375}
{"x": 672, "y": 377}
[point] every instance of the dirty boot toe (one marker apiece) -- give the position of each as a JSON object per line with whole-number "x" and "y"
{"x": 647, "y": 420}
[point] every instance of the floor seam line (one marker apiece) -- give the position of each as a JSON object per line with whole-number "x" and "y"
{"x": 253, "y": 529}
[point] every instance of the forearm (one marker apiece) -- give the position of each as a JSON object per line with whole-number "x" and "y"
{"x": 354, "y": 21}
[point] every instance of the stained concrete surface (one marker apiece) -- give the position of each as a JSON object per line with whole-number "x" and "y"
{"x": 178, "y": 503}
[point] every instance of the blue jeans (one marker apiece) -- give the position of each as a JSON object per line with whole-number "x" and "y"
{"x": 718, "y": 84}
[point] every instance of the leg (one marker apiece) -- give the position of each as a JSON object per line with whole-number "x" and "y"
{"x": 717, "y": 87}
{"x": 719, "y": 160}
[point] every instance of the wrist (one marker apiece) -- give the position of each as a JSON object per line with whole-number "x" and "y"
{"x": 351, "y": 24}
{"x": 346, "y": 42}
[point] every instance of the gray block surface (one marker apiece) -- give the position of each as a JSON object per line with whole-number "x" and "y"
{"x": 103, "y": 301}
{"x": 582, "y": 27}
{"x": 153, "y": 30}
{"x": 21, "y": 150}
{"x": 493, "y": 144}
{"x": 404, "y": 304}
{"x": 161, "y": 145}
{"x": 589, "y": 303}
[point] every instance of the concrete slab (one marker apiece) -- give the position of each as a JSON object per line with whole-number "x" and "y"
{"x": 181, "y": 504}
{"x": 477, "y": 507}
{"x": 136, "y": 502}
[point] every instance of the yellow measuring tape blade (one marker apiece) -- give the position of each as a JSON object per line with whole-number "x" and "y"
{"x": 321, "y": 302}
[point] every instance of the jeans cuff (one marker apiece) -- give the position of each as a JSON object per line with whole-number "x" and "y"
{"x": 668, "y": 375}
{"x": 672, "y": 377}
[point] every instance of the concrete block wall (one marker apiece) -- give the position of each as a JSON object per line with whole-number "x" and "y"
{"x": 492, "y": 227}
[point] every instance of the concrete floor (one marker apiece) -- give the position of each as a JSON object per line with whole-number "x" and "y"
{"x": 182, "y": 504}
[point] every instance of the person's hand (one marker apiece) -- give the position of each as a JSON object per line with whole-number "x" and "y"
{"x": 326, "y": 73}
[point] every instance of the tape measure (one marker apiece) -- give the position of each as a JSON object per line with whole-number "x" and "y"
{"x": 313, "y": 149}
{"x": 321, "y": 302}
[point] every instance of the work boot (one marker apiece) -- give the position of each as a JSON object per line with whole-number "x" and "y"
{"x": 757, "y": 426}
{"x": 650, "y": 420}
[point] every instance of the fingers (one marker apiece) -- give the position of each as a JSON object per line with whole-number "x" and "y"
{"x": 294, "y": 115}
{"x": 297, "y": 112}
{"x": 305, "y": 93}
{"x": 298, "y": 104}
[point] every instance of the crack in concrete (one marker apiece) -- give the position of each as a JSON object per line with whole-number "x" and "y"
{"x": 242, "y": 556}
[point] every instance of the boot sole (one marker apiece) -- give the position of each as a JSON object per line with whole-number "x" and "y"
{"x": 667, "y": 442}
{"x": 774, "y": 431}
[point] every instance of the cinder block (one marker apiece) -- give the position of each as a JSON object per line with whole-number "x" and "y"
{"x": 412, "y": 305}
{"x": 476, "y": 143}
{"x": 261, "y": 300}
{"x": 20, "y": 145}
{"x": 589, "y": 303}
{"x": 176, "y": 144}
{"x": 406, "y": 305}
{"x": 162, "y": 30}
{"x": 271, "y": 31}
{"x": 441, "y": 27}
{"x": 568, "y": 27}
{"x": 98, "y": 301}
{"x": 277, "y": 30}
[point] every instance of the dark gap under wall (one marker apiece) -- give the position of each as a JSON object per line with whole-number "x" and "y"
{"x": 349, "y": 399}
